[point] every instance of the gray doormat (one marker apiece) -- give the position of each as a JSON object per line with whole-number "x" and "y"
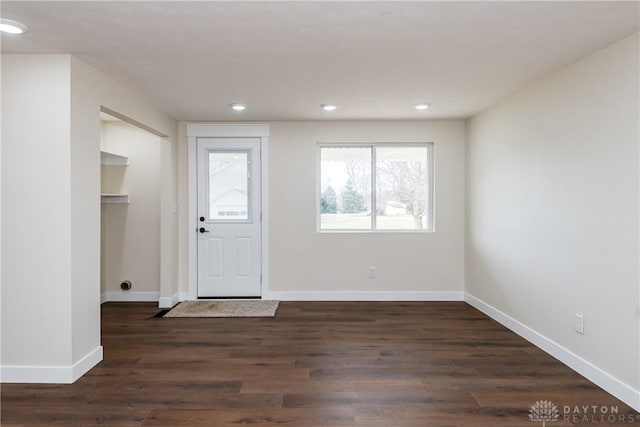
{"x": 227, "y": 308}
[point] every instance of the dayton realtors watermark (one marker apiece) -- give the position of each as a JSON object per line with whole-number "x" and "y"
{"x": 546, "y": 412}
{"x": 596, "y": 414}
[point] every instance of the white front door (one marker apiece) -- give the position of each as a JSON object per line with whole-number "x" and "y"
{"x": 229, "y": 217}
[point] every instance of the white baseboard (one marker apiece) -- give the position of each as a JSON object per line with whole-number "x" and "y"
{"x": 614, "y": 386}
{"x": 183, "y": 296}
{"x": 51, "y": 374}
{"x": 168, "y": 302}
{"x": 129, "y": 296}
{"x": 365, "y": 296}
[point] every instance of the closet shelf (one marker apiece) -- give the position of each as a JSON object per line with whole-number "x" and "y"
{"x": 111, "y": 198}
{"x": 112, "y": 159}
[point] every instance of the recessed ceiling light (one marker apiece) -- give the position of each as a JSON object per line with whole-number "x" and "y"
{"x": 328, "y": 107}
{"x": 238, "y": 107}
{"x": 422, "y": 106}
{"x": 12, "y": 27}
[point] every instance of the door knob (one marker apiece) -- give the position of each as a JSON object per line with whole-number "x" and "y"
{"x": 203, "y": 230}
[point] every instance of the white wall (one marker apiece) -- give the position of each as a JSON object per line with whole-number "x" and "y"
{"x": 305, "y": 263}
{"x": 99, "y": 90}
{"x": 36, "y": 211}
{"x": 131, "y": 232}
{"x": 51, "y": 212}
{"x": 85, "y": 216}
{"x": 552, "y": 213}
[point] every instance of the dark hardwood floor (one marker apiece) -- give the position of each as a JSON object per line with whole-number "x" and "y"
{"x": 341, "y": 364}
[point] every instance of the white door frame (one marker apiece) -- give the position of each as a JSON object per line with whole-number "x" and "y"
{"x": 203, "y": 130}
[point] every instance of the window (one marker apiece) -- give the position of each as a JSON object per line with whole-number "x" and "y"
{"x": 228, "y": 185}
{"x": 396, "y": 180}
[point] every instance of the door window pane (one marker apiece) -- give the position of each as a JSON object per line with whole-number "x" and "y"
{"x": 228, "y": 185}
{"x": 402, "y": 199}
{"x": 345, "y": 188}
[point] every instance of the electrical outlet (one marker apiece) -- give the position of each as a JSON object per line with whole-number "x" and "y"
{"x": 579, "y": 324}
{"x": 372, "y": 272}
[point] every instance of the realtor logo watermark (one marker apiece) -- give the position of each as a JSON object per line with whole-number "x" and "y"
{"x": 546, "y": 411}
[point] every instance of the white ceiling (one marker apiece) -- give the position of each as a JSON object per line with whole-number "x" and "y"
{"x": 375, "y": 60}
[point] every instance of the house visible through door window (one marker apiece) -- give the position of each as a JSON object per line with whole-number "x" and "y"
{"x": 228, "y": 185}
{"x": 376, "y": 187}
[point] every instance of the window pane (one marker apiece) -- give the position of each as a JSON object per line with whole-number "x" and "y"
{"x": 345, "y": 188}
{"x": 228, "y": 184}
{"x": 402, "y": 197}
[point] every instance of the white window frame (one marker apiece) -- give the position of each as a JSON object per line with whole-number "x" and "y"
{"x": 373, "y": 145}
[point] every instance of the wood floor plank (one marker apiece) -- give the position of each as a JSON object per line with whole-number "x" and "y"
{"x": 185, "y": 399}
{"x": 410, "y": 385}
{"x": 316, "y": 364}
{"x": 393, "y": 373}
{"x": 73, "y": 415}
{"x": 333, "y": 417}
{"x": 455, "y": 400}
{"x": 405, "y": 416}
